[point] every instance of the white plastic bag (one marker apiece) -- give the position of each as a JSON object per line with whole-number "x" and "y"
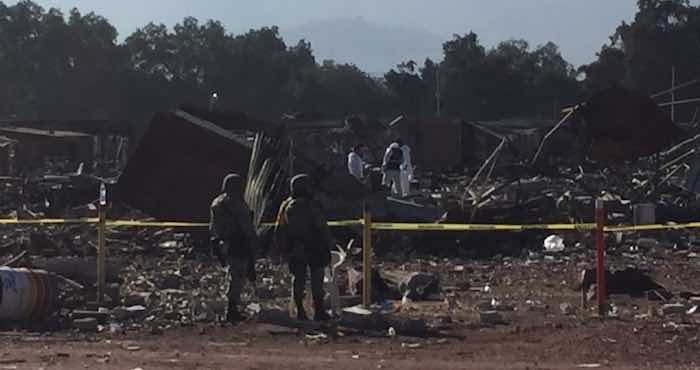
{"x": 554, "y": 244}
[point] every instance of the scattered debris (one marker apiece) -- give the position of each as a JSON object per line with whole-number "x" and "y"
{"x": 491, "y": 318}
{"x": 414, "y": 285}
{"x": 360, "y": 318}
{"x": 631, "y": 281}
{"x": 673, "y": 309}
{"x": 87, "y": 325}
{"x": 424, "y": 282}
{"x": 554, "y": 244}
{"x": 567, "y": 309}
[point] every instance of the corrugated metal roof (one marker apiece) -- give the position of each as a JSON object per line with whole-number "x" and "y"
{"x": 5, "y": 141}
{"x": 83, "y": 125}
{"x": 38, "y": 132}
{"x": 518, "y": 124}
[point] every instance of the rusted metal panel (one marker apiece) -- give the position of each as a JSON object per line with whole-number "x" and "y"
{"x": 523, "y": 137}
{"x": 177, "y": 167}
{"x": 436, "y": 145}
{"x": 7, "y": 152}
{"x": 92, "y": 127}
{"x": 625, "y": 125}
{"x": 32, "y": 146}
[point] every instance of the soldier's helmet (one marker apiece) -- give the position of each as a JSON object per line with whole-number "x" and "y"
{"x": 232, "y": 184}
{"x": 300, "y": 186}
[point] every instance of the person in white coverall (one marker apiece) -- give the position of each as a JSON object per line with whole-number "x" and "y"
{"x": 356, "y": 165}
{"x": 391, "y": 166}
{"x": 406, "y": 169}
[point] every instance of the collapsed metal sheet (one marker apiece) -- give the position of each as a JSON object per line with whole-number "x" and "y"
{"x": 693, "y": 179}
{"x": 625, "y": 125}
{"x": 436, "y": 145}
{"x": 177, "y": 167}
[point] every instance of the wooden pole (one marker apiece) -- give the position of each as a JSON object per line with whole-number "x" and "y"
{"x": 101, "y": 247}
{"x": 676, "y": 88}
{"x": 438, "y": 97}
{"x": 600, "y": 255}
{"x": 679, "y": 102}
{"x": 483, "y": 167}
{"x": 673, "y": 94}
{"x": 550, "y": 133}
{"x": 366, "y": 256}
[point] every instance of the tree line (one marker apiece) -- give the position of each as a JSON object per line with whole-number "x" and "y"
{"x": 72, "y": 66}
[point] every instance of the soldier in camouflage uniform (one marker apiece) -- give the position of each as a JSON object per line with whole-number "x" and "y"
{"x": 234, "y": 240}
{"x": 304, "y": 239}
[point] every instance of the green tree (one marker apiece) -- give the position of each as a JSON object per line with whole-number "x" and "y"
{"x": 641, "y": 54}
{"x": 409, "y": 88}
{"x": 462, "y": 66}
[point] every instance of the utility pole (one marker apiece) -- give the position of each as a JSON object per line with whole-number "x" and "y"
{"x": 673, "y": 94}
{"x": 212, "y": 101}
{"x": 437, "y": 90}
{"x": 101, "y": 244}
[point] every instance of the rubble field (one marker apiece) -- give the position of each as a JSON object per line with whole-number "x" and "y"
{"x": 502, "y": 312}
{"x": 481, "y": 300}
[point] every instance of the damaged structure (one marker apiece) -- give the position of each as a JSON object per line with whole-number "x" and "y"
{"x": 515, "y": 171}
{"x": 92, "y": 142}
{"x": 32, "y": 147}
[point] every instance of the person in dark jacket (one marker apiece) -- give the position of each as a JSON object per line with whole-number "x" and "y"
{"x": 234, "y": 240}
{"x": 303, "y": 237}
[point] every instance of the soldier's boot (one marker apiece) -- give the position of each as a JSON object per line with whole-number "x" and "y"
{"x": 322, "y": 316}
{"x": 299, "y": 285}
{"x": 233, "y": 315}
{"x": 301, "y": 314}
{"x": 318, "y": 294}
{"x": 320, "y": 313}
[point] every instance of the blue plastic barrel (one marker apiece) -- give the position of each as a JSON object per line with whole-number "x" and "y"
{"x": 27, "y": 294}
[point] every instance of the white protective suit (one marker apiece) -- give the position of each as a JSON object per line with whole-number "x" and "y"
{"x": 406, "y": 170}
{"x": 356, "y": 166}
{"x": 392, "y": 177}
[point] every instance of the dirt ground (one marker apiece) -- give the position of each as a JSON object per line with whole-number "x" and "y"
{"x": 530, "y": 289}
{"x": 611, "y": 344}
{"x": 536, "y": 336}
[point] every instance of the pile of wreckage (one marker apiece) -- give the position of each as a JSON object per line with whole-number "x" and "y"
{"x": 525, "y": 172}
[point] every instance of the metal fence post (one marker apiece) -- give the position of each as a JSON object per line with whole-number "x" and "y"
{"x": 600, "y": 255}
{"x": 366, "y": 256}
{"x": 101, "y": 241}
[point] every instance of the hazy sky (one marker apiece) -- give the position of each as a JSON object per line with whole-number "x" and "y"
{"x": 579, "y": 27}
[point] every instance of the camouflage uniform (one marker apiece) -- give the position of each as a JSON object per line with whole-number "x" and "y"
{"x": 234, "y": 239}
{"x": 304, "y": 239}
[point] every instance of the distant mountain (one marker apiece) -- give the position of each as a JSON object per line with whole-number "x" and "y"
{"x": 373, "y": 47}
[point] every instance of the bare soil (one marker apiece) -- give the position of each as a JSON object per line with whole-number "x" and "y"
{"x": 611, "y": 344}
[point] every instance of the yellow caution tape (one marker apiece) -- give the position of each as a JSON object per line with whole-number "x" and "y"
{"x": 345, "y": 223}
{"x": 375, "y": 225}
{"x": 477, "y": 227}
{"x": 330, "y": 223}
{"x": 136, "y": 223}
{"x": 690, "y": 225}
{"x": 154, "y": 223}
{"x": 49, "y": 221}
